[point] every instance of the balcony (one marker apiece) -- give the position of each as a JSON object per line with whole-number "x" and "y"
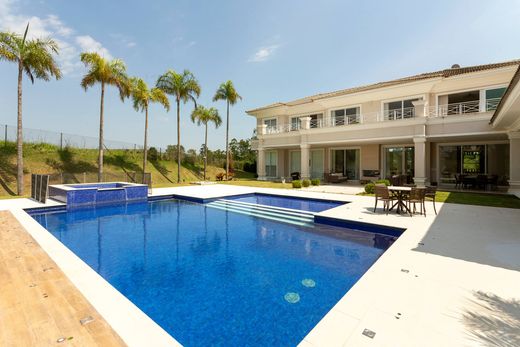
{"x": 461, "y": 108}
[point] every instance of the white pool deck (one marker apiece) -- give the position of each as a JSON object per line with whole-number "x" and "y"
{"x": 449, "y": 280}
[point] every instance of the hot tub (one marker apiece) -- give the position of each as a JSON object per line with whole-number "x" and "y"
{"x": 88, "y": 194}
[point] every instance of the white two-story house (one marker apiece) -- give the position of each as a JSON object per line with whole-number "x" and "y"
{"x": 430, "y": 127}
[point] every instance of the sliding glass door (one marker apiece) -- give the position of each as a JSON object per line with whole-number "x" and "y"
{"x": 271, "y": 162}
{"x": 295, "y": 161}
{"x": 478, "y": 159}
{"x": 399, "y": 161}
{"x": 346, "y": 162}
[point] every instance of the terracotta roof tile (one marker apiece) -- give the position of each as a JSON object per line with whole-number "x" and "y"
{"x": 436, "y": 74}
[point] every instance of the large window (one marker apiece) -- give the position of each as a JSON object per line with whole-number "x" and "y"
{"x": 399, "y": 161}
{"x": 401, "y": 109}
{"x": 345, "y": 116}
{"x": 271, "y": 162}
{"x": 295, "y": 123}
{"x": 346, "y": 162}
{"x": 493, "y": 97}
{"x": 296, "y": 161}
{"x": 271, "y": 122}
{"x": 473, "y": 160}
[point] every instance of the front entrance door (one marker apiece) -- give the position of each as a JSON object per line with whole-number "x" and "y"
{"x": 317, "y": 164}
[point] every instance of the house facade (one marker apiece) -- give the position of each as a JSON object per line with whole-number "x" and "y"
{"x": 429, "y": 127}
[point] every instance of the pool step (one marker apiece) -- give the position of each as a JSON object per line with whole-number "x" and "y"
{"x": 263, "y": 211}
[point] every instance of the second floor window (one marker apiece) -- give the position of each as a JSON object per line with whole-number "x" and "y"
{"x": 400, "y": 109}
{"x": 345, "y": 116}
{"x": 493, "y": 97}
{"x": 295, "y": 123}
{"x": 271, "y": 123}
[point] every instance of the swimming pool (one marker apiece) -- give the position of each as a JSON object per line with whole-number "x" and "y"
{"x": 295, "y": 203}
{"x": 214, "y": 277}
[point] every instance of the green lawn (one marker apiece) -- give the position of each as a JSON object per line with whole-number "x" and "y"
{"x": 479, "y": 199}
{"x": 493, "y": 200}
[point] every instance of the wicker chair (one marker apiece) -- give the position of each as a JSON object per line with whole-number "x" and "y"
{"x": 417, "y": 196}
{"x": 430, "y": 193}
{"x": 382, "y": 193}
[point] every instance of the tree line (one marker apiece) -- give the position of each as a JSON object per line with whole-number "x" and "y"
{"x": 36, "y": 59}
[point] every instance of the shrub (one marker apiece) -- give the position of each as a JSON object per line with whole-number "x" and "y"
{"x": 296, "y": 184}
{"x": 386, "y": 182}
{"x": 315, "y": 182}
{"x": 369, "y": 188}
{"x": 306, "y": 183}
{"x": 152, "y": 154}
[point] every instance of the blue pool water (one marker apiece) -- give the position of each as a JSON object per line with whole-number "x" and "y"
{"x": 214, "y": 277}
{"x": 312, "y": 205}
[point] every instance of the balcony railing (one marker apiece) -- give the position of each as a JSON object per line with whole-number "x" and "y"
{"x": 401, "y": 113}
{"x": 463, "y": 108}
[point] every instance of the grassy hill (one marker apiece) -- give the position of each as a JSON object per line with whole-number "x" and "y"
{"x": 80, "y": 165}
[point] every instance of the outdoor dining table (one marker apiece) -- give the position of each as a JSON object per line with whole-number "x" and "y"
{"x": 400, "y": 193}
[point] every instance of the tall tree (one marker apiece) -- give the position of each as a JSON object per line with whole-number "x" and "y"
{"x": 106, "y": 73}
{"x": 203, "y": 115}
{"x": 226, "y": 91}
{"x": 184, "y": 87}
{"x": 35, "y": 58}
{"x": 142, "y": 96}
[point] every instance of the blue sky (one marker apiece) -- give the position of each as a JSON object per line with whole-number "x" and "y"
{"x": 272, "y": 51}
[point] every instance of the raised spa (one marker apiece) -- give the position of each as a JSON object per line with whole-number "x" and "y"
{"x": 76, "y": 195}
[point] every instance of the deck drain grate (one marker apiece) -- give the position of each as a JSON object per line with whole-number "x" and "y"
{"x": 369, "y": 333}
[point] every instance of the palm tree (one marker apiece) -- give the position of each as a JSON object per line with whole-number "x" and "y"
{"x": 142, "y": 96}
{"x": 203, "y": 115}
{"x": 226, "y": 91}
{"x": 35, "y": 58}
{"x": 104, "y": 72}
{"x": 184, "y": 87}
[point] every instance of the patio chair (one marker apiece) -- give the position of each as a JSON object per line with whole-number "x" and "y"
{"x": 493, "y": 182}
{"x": 295, "y": 176}
{"x": 417, "y": 196}
{"x": 481, "y": 182}
{"x": 430, "y": 193}
{"x": 382, "y": 193}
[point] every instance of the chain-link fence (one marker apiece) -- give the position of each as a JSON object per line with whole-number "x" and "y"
{"x": 62, "y": 140}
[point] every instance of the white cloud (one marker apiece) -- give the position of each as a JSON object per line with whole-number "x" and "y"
{"x": 50, "y": 26}
{"x": 263, "y": 53}
{"x": 88, "y": 44}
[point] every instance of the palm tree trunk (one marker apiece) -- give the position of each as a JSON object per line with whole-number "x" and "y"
{"x": 145, "y": 152}
{"x": 19, "y": 136}
{"x": 205, "y": 150}
{"x": 178, "y": 140}
{"x": 227, "y": 141}
{"x": 101, "y": 124}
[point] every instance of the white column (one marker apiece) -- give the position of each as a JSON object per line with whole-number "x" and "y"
{"x": 420, "y": 107}
{"x": 260, "y": 164}
{"x": 306, "y": 123}
{"x": 420, "y": 161}
{"x": 514, "y": 163}
{"x": 262, "y": 129}
{"x": 305, "y": 161}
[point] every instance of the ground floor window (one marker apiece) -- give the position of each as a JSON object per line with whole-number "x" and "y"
{"x": 346, "y": 162}
{"x": 295, "y": 158}
{"x": 317, "y": 163}
{"x": 477, "y": 159}
{"x": 399, "y": 161}
{"x": 271, "y": 161}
